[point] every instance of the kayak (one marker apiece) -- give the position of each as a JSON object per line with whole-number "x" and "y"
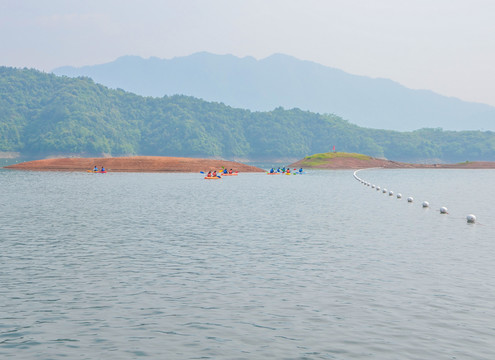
{"x": 97, "y": 172}
{"x": 212, "y": 177}
{"x": 273, "y": 173}
{"x": 233, "y": 174}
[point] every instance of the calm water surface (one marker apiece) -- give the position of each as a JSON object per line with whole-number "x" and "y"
{"x": 319, "y": 266}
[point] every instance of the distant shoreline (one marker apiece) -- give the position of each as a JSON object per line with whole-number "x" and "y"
{"x": 345, "y": 161}
{"x": 341, "y": 161}
{"x": 134, "y": 164}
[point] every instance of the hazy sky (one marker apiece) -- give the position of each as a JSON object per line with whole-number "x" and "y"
{"x": 447, "y": 46}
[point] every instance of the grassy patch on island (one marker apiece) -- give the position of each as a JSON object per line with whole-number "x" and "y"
{"x": 320, "y": 159}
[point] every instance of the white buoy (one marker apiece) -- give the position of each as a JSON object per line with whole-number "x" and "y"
{"x": 390, "y": 193}
{"x": 426, "y": 204}
{"x": 410, "y": 199}
{"x": 471, "y": 219}
{"x": 443, "y": 210}
{"x": 384, "y": 190}
{"x": 399, "y": 196}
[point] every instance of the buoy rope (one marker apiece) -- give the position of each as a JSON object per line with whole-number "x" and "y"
{"x": 470, "y": 218}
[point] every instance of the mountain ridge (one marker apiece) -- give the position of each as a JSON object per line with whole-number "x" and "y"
{"x": 284, "y": 81}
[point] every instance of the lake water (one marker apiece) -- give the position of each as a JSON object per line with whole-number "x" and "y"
{"x": 319, "y": 266}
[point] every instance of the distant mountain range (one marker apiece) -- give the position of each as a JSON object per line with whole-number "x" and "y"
{"x": 284, "y": 81}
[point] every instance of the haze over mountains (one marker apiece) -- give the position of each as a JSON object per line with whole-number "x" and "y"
{"x": 281, "y": 80}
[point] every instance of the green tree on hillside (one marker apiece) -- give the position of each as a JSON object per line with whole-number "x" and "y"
{"x": 43, "y": 114}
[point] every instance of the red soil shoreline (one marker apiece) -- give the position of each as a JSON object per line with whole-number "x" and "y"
{"x": 179, "y": 164}
{"x": 350, "y": 163}
{"x": 134, "y": 164}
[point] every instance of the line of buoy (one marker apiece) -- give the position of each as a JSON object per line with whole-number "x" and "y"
{"x": 471, "y": 219}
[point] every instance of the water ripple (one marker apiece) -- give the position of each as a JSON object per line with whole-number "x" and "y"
{"x": 170, "y": 266}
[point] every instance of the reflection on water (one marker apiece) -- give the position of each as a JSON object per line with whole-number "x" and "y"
{"x": 290, "y": 267}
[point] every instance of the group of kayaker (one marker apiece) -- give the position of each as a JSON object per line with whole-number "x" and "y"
{"x": 96, "y": 169}
{"x": 223, "y": 172}
{"x": 285, "y": 170}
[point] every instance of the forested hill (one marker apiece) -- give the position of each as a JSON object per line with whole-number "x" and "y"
{"x": 43, "y": 114}
{"x": 282, "y": 80}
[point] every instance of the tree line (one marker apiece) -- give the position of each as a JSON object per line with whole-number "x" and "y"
{"x": 44, "y": 114}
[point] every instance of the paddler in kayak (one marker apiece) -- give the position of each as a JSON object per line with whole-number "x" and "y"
{"x": 300, "y": 170}
{"x": 102, "y": 169}
{"x": 272, "y": 171}
{"x": 95, "y": 169}
{"x": 214, "y": 174}
{"x": 209, "y": 174}
{"x": 288, "y": 171}
{"x": 278, "y": 170}
{"x": 225, "y": 171}
{"x": 231, "y": 171}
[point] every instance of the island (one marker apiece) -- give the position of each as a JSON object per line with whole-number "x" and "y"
{"x": 342, "y": 161}
{"x": 134, "y": 164}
